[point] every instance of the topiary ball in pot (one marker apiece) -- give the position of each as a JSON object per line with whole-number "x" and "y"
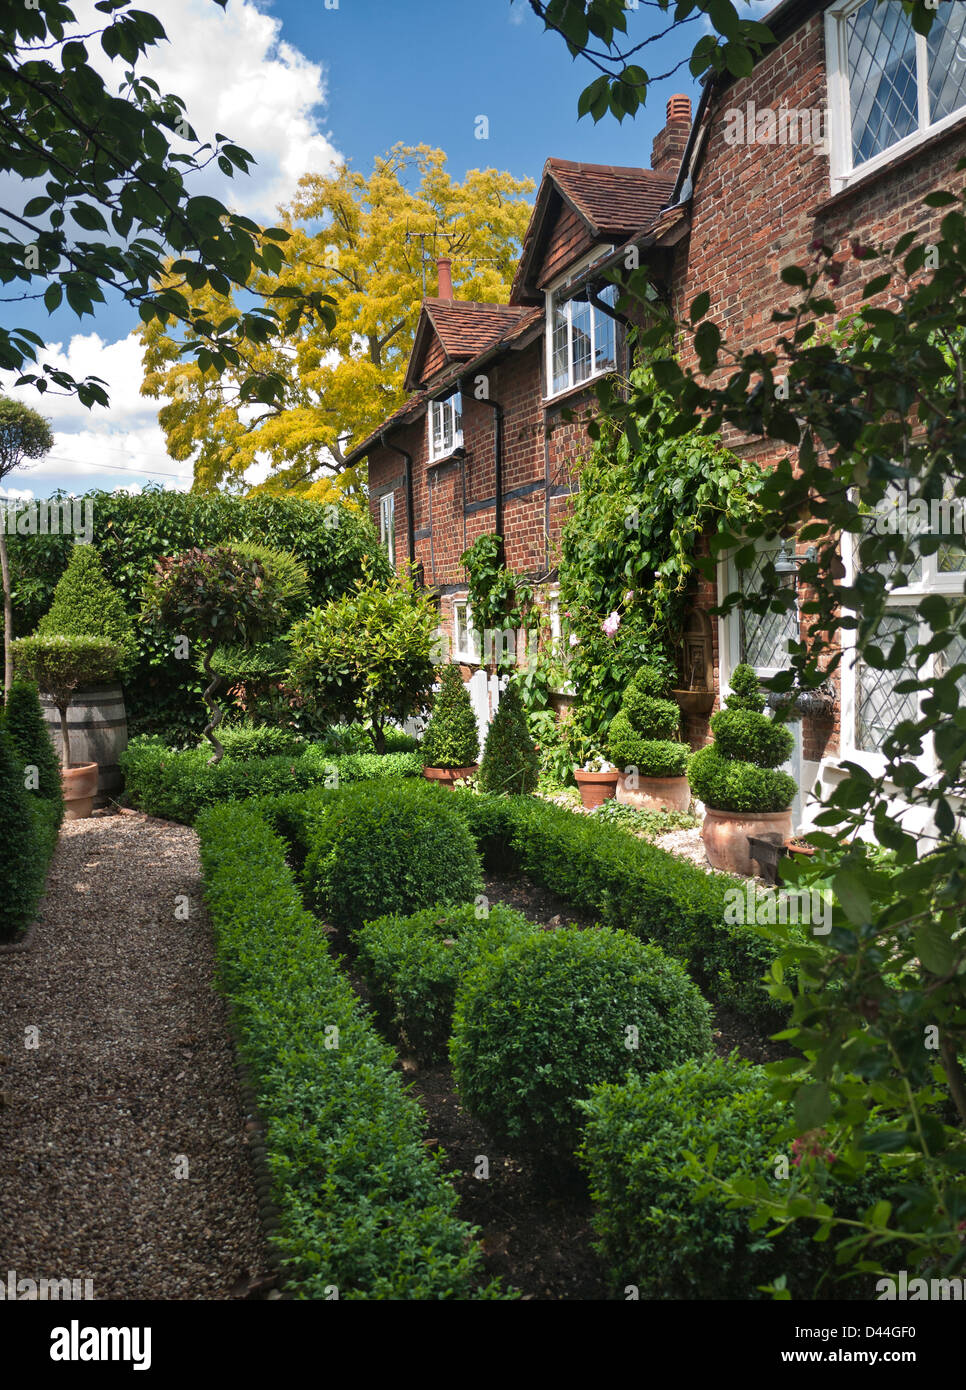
{"x": 510, "y": 760}
{"x": 384, "y": 848}
{"x": 737, "y": 776}
{"x": 542, "y": 1019}
{"x": 452, "y": 737}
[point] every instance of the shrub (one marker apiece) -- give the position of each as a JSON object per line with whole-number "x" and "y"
{"x": 452, "y": 737}
{"x": 736, "y": 772}
{"x": 246, "y": 741}
{"x": 30, "y": 736}
{"x": 177, "y": 785}
{"x": 22, "y": 864}
{"x": 362, "y": 1202}
{"x": 640, "y": 734}
{"x": 656, "y": 1227}
{"x": 541, "y": 1019}
{"x": 367, "y": 655}
{"x": 381, "y": 849}
{"x": 60, "y": 665}
{"x": 728, "y": 785}
{"x": 631, "y": 885}
{"x": 413, "y": 965}
{"x": 86, "y": 605}
{"x": 510, "y": 762}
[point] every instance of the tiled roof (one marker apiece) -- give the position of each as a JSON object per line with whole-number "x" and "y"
{"x": 613, "y": 198}
{"x": 465, "y": 328}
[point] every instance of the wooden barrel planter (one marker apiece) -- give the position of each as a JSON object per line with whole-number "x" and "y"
{"x": 97, "y": 721}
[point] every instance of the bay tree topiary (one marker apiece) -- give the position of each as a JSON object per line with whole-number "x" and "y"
{"x": 61, "y": 665}
{"x": 452, "y": 737}
{"x": 541, "y": 1019}
{"x": 86, "y": 605}
{"x": 510, "y": 760}
{"x": 642, "y": 732}
{"x": 738, "y": 772}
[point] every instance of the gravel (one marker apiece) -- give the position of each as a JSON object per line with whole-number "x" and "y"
{"x": 131, "y": 1082}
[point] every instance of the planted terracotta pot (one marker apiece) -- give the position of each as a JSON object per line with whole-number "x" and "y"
{"x": 725, "y": 835}
{"x": 79, "y": 782}
{"x": 654, "y": 793}
{"x": 595, "y": 787}
{"x": 448, "y": 775}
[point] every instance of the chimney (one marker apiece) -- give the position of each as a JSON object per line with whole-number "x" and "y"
{"x": 669, "y": 143}
{"x": 445, "y": 278}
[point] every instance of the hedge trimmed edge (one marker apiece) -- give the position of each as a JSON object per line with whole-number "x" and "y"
{"x": 364, "y": 1207}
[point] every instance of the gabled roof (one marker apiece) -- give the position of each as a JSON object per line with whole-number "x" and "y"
{"x": 613, "y": 201}
{"x": 464, "y": 330}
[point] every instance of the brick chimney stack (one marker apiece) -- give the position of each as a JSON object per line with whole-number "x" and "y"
{"x": 669, "y": 143}
{"x": 444, "y": 268}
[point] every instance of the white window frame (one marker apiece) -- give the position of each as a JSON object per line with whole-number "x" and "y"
{"x": 574, "y": 273}
{"x": 387, "y": 525}
{"x": 470, "y": 652}
{"x": 447, "y": 437}
{"x": 932, "y": 580}
{"x": 729, "y": 627}
{"x": 842, "y": 171}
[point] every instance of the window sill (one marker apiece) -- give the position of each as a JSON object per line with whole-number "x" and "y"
{"x": 582, "y": 389}
{"x": 452, "y": 456}
{"x": 861, "y": 178}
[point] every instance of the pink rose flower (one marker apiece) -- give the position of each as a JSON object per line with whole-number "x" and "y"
{"x": 611, "y": 623}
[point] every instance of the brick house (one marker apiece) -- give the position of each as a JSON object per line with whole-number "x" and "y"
{"x": 839, "y": 132}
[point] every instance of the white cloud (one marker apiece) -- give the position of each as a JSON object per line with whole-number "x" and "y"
{"x": 237, "y": 76}
{"x": 97, "y": 445}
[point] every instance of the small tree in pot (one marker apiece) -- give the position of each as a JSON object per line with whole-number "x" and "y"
{"x": 641, "y": 742}
{"x": 61, "y": 665}
{"x": 451, "y": 743}
{"x": 737, "y": 776}
{"x": 510, "y": 762}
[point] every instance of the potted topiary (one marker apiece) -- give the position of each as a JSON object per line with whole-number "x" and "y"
{"x": 737, "y": 778}
{"x": 641, "y": 742}
{"x": 61, "y": 665}
{"x": 451, "y": 743}
{"x": 510, "y": 762}
{"x": 596, "y": 778}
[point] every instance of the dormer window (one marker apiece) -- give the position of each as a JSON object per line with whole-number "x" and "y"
{"x": 581, "y": 338}
{"x": 445, "y": 426}
{"x": 889, "y": 87}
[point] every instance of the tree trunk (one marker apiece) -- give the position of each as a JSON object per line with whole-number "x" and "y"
{"x": 64, "y": 735}
{"x": 7, "y": 617}
{"x": 216, "y": 714}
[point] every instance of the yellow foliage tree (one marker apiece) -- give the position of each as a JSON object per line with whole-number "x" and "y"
{"x": 369, "y": 243}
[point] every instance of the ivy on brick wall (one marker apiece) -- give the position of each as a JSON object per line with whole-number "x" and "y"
{"x": 629, "y": 547}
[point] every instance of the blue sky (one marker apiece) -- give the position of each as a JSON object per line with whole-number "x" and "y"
{"x": 304, "y": 86}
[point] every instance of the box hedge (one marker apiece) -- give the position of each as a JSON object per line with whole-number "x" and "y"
{"x": 363, "y": 1204}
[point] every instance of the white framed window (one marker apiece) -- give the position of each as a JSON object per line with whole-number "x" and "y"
{"x": 445, "y": 426}
{"x": 759, "y": 639}
{"x": 387, "y": 525}
{"x": 466, "y": 639}
{"x": 581, "y": 339}
{"x": 889, "y": 87}
{"x": 871, "y": 705}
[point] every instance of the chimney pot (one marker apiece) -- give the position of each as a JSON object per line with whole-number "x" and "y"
{"x": 669, "y": 143}
{"x": 679, "y": 108}
{"x": 444, "y": 267}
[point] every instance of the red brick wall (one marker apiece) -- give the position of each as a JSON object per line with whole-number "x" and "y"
{"x": 759, "y": 207}
{"x": 569, "y": 240}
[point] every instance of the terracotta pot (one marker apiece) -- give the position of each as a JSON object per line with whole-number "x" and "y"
{"x": 694, "y": 701}
{"x": 654, "y": 793}
{"x": 725, "y": 835}
{"x": 595, "y": 787}
{"x": 446, "y": 776}
{"x": 79, "y": 782}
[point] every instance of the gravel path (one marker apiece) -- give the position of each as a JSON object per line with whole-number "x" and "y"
{"x": 117, "y": 1075}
